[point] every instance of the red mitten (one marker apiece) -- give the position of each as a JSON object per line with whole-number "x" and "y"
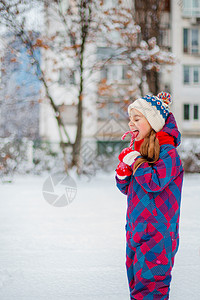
{"x": 123, "y": 170}
{"x": 124, "y": 152}
{"x": 128, "y": 156}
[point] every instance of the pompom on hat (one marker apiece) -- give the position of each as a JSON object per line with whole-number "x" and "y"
{"x": 154, "y": 108}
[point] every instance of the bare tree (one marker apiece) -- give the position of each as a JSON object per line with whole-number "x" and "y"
{"x": 79, "y": 25}
{"x": 9, "y": 11}
{"x": 72, "y": 34}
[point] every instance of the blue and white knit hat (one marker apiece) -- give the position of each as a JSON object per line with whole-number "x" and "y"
{"x": 154, "y": 108}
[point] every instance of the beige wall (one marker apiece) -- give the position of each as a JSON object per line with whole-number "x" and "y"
{"x": 183, "y": 93}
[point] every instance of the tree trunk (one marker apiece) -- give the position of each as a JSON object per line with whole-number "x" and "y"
{"x": 77, "y": 144}
{"x": 153, "y": 82}
{"x": 148, "y": 15}
{"x": 85, "y": 21}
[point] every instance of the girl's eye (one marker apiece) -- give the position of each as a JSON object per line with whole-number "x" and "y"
{"x": 134, "y": 120}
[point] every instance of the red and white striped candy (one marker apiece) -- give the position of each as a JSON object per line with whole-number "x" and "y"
{"x": 133, "y": 136}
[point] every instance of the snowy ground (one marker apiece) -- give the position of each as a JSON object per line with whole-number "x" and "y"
{"x": 78, "y": 251}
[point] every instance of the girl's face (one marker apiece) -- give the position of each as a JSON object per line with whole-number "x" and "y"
{"x": 139, "y": 123}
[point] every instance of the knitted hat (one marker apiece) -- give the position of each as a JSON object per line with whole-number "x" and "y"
{"x": 154, "y": 108}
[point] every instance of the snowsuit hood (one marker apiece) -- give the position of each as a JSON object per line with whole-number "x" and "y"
{"x": 171, "y": 128}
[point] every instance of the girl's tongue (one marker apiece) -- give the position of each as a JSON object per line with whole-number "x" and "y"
{"x": 136, "y": 132}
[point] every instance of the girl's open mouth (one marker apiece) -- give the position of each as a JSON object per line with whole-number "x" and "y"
{"x": 136, "y": 133}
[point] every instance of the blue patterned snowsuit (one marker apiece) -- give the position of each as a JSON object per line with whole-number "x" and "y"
{"x": 152, "y": 221}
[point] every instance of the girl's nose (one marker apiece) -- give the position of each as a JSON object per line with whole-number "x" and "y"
{"x": 131, "y": 123}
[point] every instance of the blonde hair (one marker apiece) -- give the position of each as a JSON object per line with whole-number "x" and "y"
{"x": 149, "y": 149}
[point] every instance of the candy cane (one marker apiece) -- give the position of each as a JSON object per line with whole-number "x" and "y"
{"x": 133, "y": 136}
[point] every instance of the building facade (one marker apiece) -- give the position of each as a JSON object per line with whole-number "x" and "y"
{"x": 105, "y": 117}
{"x": 185, "y": 83}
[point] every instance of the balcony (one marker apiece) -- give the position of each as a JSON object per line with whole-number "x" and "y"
{"x": 191, "y": 8}
{"x": 191, "y": 13}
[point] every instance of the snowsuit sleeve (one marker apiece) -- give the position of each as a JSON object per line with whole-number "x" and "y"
{"x": 123, "y": 184}
{"x": 155, "y": 178}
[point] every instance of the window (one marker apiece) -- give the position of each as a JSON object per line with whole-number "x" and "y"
{"x": 196, "y": 112}
{"x": 114, "y": 73}
{"x": 186, "y": 111}
{"x": 191, "y": 112}
{"x": 124, "y": 72}
{"x": 164, "y": 37}
{"x": 191, "y": 8}
{"x": 104, "y": 73}
{"x": 196, "y": 4}
{"x": 66, "y": 77}
{"x": 105, "y": 52}
{"x": 186, "y": 74}
{"x": 191, "y": 39}
{"x": 68, "y": 113}
{"x": 196, "y": 74}
{"x": 72, "y": 78}
{"x": 194, "y": 40}
{"x": 110, "y": 3}
{"x": 191, "y": 75}
{"x": 185, "y": 40}
{"x": 109, "y": 109}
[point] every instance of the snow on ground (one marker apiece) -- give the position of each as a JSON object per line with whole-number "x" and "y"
{"x": 78, "y": 251}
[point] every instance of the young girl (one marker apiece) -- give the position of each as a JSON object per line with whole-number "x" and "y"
{"x": 151, "y": 176}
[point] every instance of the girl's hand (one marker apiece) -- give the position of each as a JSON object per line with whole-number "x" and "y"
{"x": 123, "y": 170}
{"x": 128, "y": 156}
